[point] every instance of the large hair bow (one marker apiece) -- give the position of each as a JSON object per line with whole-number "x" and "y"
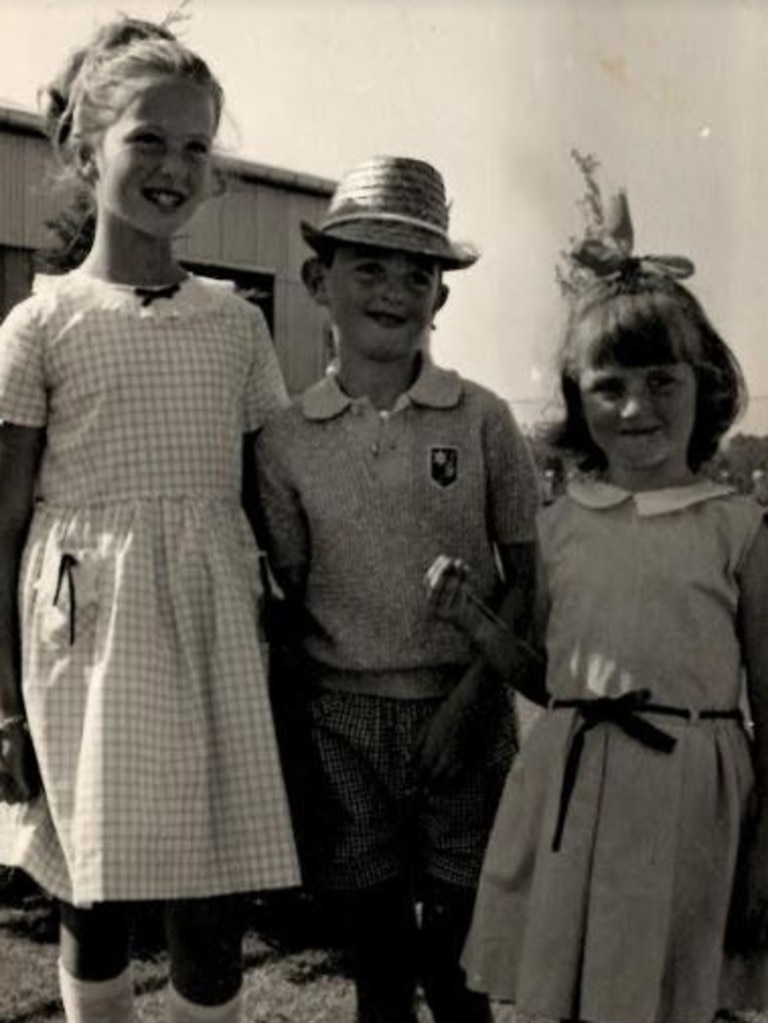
{"x": 609, "y": 252}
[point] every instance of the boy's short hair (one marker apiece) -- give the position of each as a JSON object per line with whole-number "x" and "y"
{"x": 393, "y": 203}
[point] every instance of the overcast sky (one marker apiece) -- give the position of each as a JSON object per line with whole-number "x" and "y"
{"x": 668, "y": 95}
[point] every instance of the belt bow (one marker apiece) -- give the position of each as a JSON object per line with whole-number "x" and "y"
{"x": 625, "y": 712}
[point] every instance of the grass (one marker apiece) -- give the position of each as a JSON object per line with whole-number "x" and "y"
{"x": 291, "y": 972}
{"x": 292, "y": 975}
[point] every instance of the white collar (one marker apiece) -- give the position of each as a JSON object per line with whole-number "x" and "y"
{"x": 434, "y": 387}
{"x": 195, "y": 294}
{"x": 598, "y": 495}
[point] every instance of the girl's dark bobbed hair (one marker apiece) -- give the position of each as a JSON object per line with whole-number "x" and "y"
{"x": 640, "y": 317}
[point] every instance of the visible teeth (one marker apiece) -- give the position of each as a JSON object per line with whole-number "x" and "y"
{"x": 169, "y": 200}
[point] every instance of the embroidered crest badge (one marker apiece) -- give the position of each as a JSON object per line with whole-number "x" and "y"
{"x": 444, "y": 465}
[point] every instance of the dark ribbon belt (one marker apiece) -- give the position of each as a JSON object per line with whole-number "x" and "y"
{"x": 625, "y": 712}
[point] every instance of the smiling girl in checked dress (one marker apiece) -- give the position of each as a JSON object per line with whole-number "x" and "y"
{"x": 137, "y": 755}
{"x": 610, "y": 873}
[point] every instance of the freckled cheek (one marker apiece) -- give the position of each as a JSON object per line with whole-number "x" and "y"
{"x": 200, "y": 169}
{"x": 421, "y": 308}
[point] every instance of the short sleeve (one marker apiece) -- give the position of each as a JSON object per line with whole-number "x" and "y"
{"x": 748, "y": 518}
{"x": 265, "y": 389}
{"x": 23, "y": 392}
{"x": 513, "y": 493}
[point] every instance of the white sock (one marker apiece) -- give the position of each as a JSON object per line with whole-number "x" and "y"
{"x": 96, "y": 1001}
{"x": 180, "y": 1010}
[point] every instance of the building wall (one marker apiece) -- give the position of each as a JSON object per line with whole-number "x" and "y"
{"x": 253, "y": 225}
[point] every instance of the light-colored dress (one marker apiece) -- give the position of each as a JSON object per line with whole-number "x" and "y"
{"x": 141, "y": 672}
{"x": 624, "y": 923}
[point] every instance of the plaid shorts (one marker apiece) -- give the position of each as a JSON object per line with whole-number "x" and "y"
{"x": 366, "y": 822}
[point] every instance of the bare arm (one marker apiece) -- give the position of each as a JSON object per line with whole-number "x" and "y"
{"x": 749, "y": 928}
{"x": 248, "y": 485}
{"x": 20, "y": 451}
{"x": 753, "y": 615}
{"x": 515, "y": 611}
{"x": 459, "y": 728}
{"x": 505, "y": 640}
{"x": 523, "y": 666}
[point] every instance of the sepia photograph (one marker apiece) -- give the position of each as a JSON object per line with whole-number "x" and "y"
{"x": 383, "y": 489}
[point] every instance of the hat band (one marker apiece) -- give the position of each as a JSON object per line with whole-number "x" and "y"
{"x": 395, "y": 218}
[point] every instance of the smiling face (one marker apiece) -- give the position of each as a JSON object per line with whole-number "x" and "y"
{"x": 151, "y": 165}
{"x": 381, "y": 302}
{"x": 642, "y": 419}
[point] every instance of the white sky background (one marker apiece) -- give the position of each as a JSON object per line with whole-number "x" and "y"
{"x": 668, "y": 94}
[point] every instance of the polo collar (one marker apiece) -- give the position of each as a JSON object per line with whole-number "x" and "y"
{"x": 325, "y": 399}
{"x": 434, "y": 388}
{"x": 598, "y": 495}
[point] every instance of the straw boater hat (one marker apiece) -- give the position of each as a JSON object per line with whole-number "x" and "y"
{"x": 391, "y": 202}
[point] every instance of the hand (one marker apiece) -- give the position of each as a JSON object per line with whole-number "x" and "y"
{"x": 449, "y": 594}
{"x": 19, "y": 772}
{"x": 454, "y": 735}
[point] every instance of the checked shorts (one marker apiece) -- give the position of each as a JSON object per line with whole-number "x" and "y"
{"x": 368, "y": 822}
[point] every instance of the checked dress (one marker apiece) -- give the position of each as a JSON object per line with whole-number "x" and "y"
{"x": 139, "y": 589}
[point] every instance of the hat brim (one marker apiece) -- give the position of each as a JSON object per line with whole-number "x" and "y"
{"x": 400, "y": 237}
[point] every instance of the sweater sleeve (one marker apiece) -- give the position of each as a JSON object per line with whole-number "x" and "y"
{"x": 513, "y": 493}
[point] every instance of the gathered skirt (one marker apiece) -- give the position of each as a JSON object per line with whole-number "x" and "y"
{"x": 625, "y": 922}
{"x": 148, "y": 707}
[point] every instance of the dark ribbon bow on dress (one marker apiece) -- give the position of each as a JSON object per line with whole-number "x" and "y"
{"x": 624, "y": 712}
{"x": 149, "y": 295}
{"x": 609, "y": 253}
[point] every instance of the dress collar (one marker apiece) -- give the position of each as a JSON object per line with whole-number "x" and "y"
{"x": 193, "y": 294}
{"x": 598, "y": 495}
{"x": 434, "y": 388}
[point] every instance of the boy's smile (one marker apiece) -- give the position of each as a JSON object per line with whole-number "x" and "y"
{"x": 382, "y": 302}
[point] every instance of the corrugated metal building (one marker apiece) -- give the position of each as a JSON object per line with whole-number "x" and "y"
{"x": 250, "y": 234}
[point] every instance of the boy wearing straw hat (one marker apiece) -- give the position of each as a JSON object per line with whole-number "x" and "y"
{"x": 374, "y": 471}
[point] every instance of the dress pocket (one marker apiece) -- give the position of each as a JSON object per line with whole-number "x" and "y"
{"x": 67, "y": 599}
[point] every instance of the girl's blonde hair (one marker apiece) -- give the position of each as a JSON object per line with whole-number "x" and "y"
{"x": 90, "y": 90}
